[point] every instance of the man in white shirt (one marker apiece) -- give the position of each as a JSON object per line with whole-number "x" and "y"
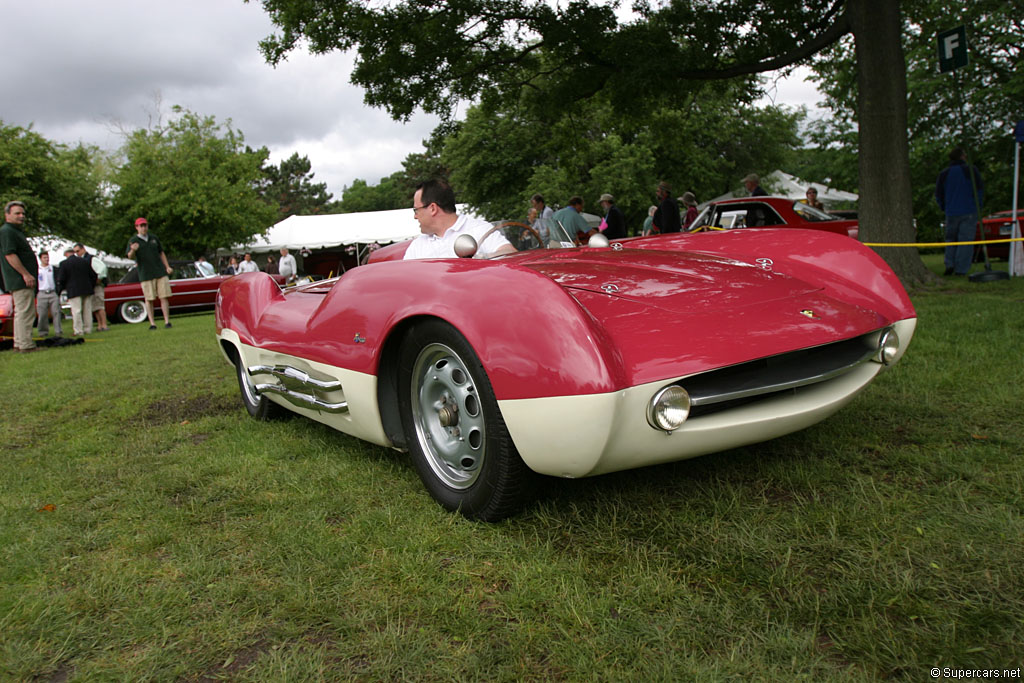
{"x": 433, "y": 205}
{"x": 248, "y": 265}
{"x": 205, "y": 267}
{"x": 544, "y": 214}
{"x": 287, "y": 266}
{"x": 47, "y": 300}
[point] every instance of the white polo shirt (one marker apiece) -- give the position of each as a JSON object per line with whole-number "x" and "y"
{"x": 432, "y": 246}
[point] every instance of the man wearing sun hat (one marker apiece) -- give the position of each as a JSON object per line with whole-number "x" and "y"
{"x": 145, "y": 249}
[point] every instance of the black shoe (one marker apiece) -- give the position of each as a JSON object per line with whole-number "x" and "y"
{"x": 152, "y": 327}
{"x": 949, "y": 271}
{"x": 167, "y": 324}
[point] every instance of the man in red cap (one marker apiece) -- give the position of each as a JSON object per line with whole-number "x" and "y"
{"x": 154, "y": 270}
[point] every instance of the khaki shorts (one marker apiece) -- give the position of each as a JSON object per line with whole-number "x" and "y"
{"x": 160, "y": 288}
{"x": 97, "y": 298}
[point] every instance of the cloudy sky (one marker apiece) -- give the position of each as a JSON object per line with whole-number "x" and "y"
{"x": 82, "y": 71}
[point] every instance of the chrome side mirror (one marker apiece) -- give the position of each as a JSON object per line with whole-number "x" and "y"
{"x": 465, "y": 246}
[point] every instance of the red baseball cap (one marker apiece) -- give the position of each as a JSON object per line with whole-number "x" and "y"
{"x": 140, "y": 221}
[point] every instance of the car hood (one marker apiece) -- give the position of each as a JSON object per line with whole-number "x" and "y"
{"x": 673, "y": 314}
{"x": 676, "y": 282}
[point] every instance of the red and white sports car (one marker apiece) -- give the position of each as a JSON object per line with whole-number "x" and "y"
{"x": 571, "y": 362}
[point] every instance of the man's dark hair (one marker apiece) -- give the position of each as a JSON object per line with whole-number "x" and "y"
{"x": 43, "y": 253}
{"x": 576, "y": 201}
{"x": 79, "y": 245}
{"x": 437, "y": 191}
{"x": 957, "y": 154}
{"x": 538, "y": 198}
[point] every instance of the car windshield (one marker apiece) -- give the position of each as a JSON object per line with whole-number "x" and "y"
{"x": 811, "y": 214}
{"x": 703, "y": 218}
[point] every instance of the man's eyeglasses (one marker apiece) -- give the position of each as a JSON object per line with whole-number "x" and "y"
{"x": 417, "y": 208}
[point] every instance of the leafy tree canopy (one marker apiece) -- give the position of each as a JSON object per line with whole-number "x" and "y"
{"x": 433, "y": 55}
{"x": 500, "y": 159}
{"x": 196, "y": 183}
{"x": 290, "y": 186}
{"x": 59, "y": 184}
{"x": 975, "y": 106}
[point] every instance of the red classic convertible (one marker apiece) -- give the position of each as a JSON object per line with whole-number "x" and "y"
{"x": 773, "y": 212}
{"x": 570, "y": 362}
{"x": 191, "y": 290}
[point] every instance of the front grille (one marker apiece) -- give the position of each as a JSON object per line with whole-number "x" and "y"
{"x": 719, "y": 390}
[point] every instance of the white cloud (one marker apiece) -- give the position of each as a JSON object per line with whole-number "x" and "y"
{"x": 77, "y": 71}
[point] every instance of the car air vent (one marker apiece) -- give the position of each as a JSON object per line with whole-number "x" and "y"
{"x": 719, "y": 390}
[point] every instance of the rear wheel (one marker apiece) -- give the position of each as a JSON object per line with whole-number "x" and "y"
{"x": 132, "y": 311}
{"x": 456, "y": 435}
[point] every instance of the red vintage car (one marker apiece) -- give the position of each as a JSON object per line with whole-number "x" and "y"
{"x": 998, "y": 226}
{"x": 6, "y": 316}
{"x": 191, "y": 290}
{"x": 774, "y": 212}
{"x": 570, "y": 362}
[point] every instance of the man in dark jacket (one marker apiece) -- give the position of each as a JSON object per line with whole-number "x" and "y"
{"x": 666, "y": 217}
{"x": 615, "y": 220}
{"x": 959, "y": 192}
{"x": 77, "y": 278}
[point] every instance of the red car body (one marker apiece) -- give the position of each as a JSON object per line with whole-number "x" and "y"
{"x": 998, "y": 226}
{"x": 190, "y": 291}
{"x": 571, "y": 362}
{"x": 6, "y": 316}
{"x": 773, "y": 212}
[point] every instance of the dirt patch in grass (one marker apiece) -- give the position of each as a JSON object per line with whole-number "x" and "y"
{"x": 235, "y": 664}
{"x": 180, "y": 409}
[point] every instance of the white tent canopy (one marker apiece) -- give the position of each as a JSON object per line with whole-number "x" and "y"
{"x": 779, "y": 184}
{"x": 327, "y": 231}
{"x": 58, "y": 245}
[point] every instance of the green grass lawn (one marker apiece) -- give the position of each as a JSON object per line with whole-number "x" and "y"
{"x": 149, "y": 530}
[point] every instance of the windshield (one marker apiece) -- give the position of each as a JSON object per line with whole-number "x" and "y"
{"x": 811, "y": 214}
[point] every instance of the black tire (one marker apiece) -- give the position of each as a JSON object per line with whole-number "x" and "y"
{"x": 454, "y": 429}
{"x": 259, "y": 407}
{"x": 133, "y": 312}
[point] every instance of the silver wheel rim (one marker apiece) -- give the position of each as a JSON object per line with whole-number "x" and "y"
{"x": 448, "y": 416}
{"x": 248, "y": 388}
{"x": 133, "y": 311}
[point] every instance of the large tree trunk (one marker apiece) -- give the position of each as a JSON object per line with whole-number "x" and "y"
{"x": 885, "y": 206}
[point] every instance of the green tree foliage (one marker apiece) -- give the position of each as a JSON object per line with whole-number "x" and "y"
{"x": 195, "y": 181}
{"x": 975, "y": 106}
{"x": 389, "y": 194}
{"x": 289, "y": 185}
{"x": 415, "y": 53}
{"x": 59, "y": 184}
{"x": 500, "y": 159}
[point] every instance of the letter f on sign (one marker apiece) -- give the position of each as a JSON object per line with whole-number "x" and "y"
{"x": 949, "y": 44}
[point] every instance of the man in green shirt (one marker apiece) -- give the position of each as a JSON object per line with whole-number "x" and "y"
{"x": 19, "y": 268}
{"x": 572, "y": 221}
{"x": 154, "y": 270}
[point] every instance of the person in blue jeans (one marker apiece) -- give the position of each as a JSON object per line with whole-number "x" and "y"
{"x": 961, "y": 202}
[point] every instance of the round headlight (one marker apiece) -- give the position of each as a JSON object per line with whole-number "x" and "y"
{"x": 888, "y": 347}
{"x": 669, "y": 408}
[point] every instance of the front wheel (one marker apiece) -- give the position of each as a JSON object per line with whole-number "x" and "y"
{"x": 456, "y": 435}
{"x": 132, "y": 311}
{"x": 259, "y": 407}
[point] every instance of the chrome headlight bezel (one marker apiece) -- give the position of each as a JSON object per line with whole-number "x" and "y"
{"x": 888, "y": 347}
{"x": 669, "y": 408}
